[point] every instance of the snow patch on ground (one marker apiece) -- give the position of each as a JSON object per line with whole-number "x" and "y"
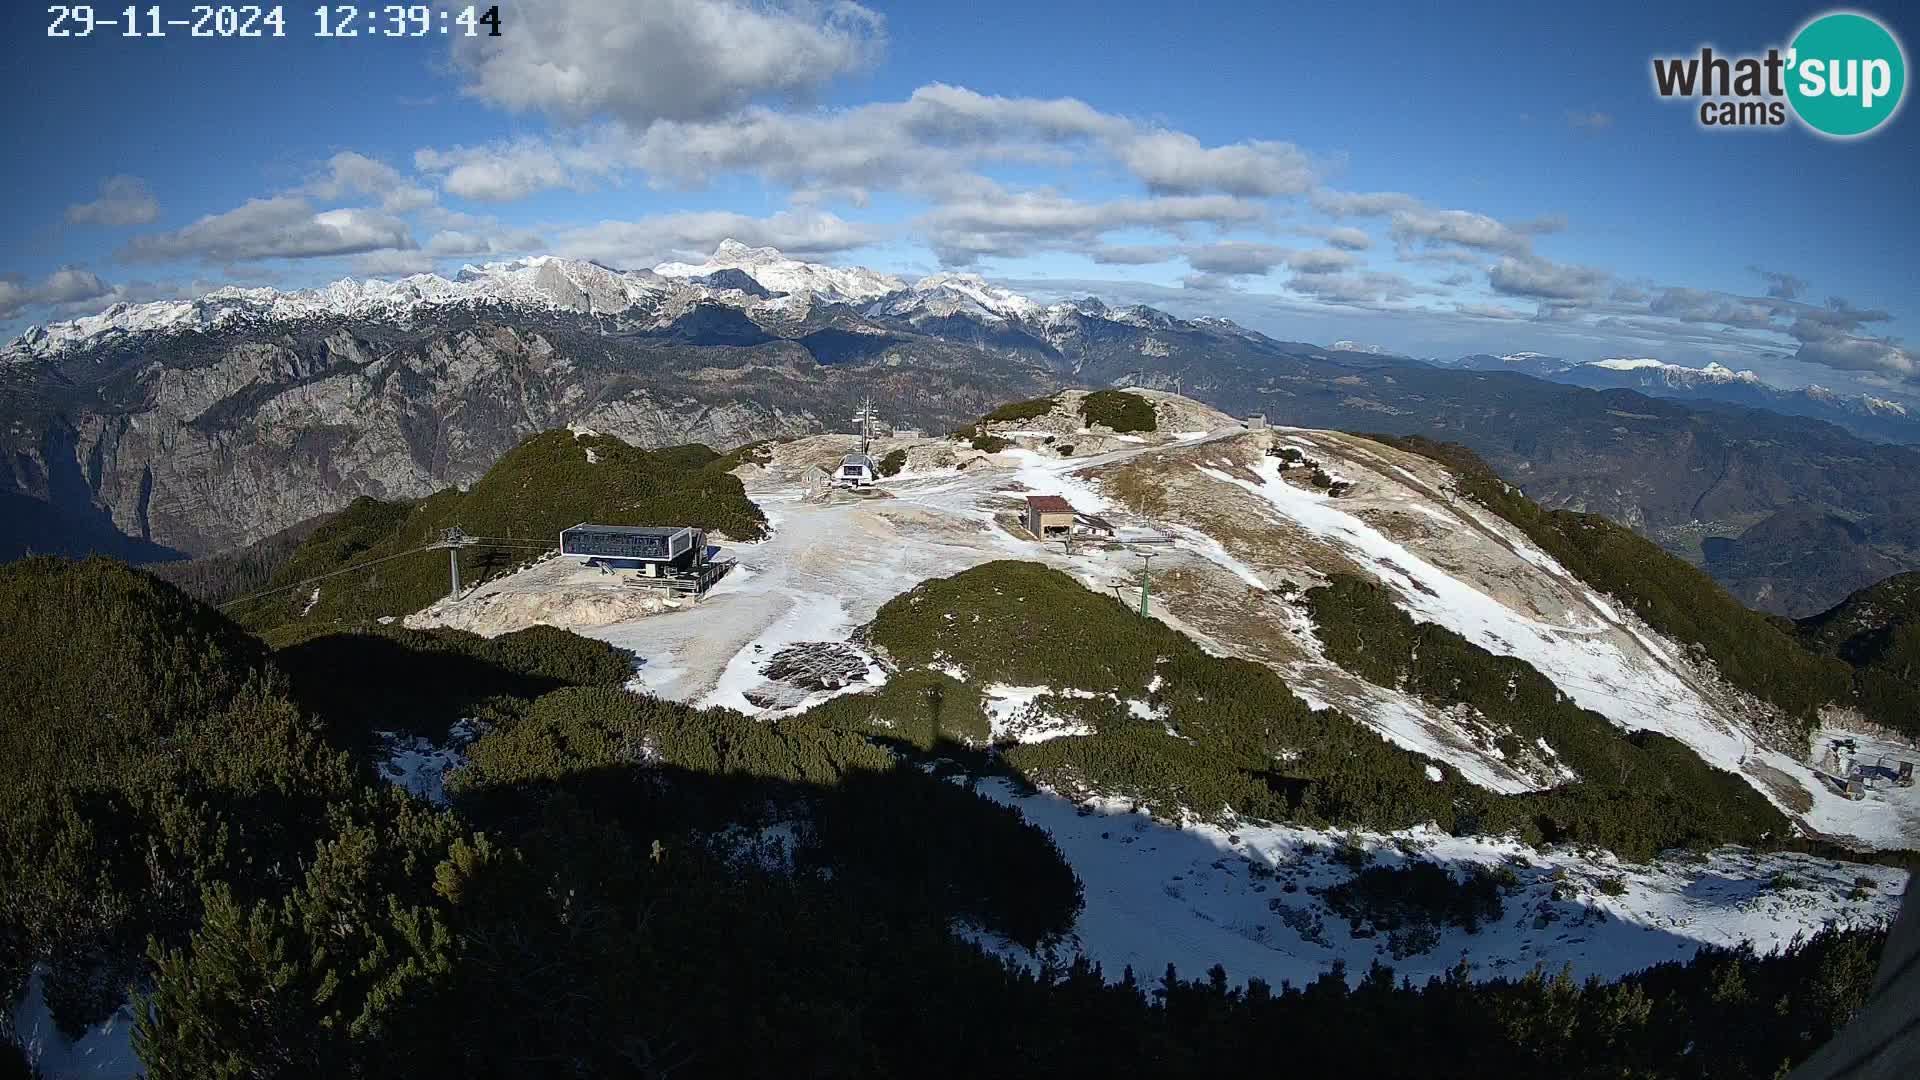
{"x": 103, "y": 1052}
{"x": 1245, "y": 898}
{"x": 1014, "y": 714}
{"x": 420, "y": 765}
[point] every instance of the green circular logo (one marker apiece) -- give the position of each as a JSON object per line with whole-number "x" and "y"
{"x": 1846, "y": 74}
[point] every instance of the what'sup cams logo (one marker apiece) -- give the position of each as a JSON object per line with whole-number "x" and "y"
{"x": 1843, "y": 76}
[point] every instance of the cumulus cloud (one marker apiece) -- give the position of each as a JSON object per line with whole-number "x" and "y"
{"x": 1175, "y": 163}
{"x": 283, "y": 227}
{"x": 393, "y": 263}
{"x": 1362, "y": 204}
{"x": 1699, "y": 305}
{"x": 1345, "y": 236}
{"x": 1463, "y": 228}
{"x": 668, "y": 59}
{"x": 504, "y": 172}
{"x": 1237, "y": 257}
{"x": 1830, "y": 336}
{"x": 1366, "y": 287}
{"x": 351, "y": 174}
{"x": 124, "y": 200}
{"x": 1852, "y": 352}
{"x": 806, "y": 233}
{"x": 485, "y": 240}
{"x": 1543, "y": 279}
{"x": 1015, "y": 223}
{"x": 1320, "y": 260}
{"x": 931, "y": 145}
{"x": 67, "y": 285}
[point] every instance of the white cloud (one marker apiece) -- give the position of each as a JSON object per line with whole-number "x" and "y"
{"x": 931, "y": 145}
{"x": 351, "y": 174}
{"x": 695, "y": 233}
{"x": 282, "y": 227}
{"x": 1852, "y": 352}
{"x": 1015, "y": 223}
{"x": 667, "y": 59}
{"x": 67, "y": 285}
{"x": 1321, "y": 260}
{"x": 485, "y": 241}
{"x": 393, "y": 263}
{"x": 1173, "y": 162}
{"x": 1345, "y": 236}
{"x": 1364, "y": 287}
{"x": 1459, "y": 227}
{"x": 1699, "y": 305}
{"x": 1362, "y": 204}
{"x": 1543, "y": 279}
{"x": 1237, "y": 257}
{"x": 124, "y": 200}
{"x": 504, "y": 172}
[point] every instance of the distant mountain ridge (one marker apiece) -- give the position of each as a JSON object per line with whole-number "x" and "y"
{"x": 199, "y": 425}
{"x": 1870, "y": 417}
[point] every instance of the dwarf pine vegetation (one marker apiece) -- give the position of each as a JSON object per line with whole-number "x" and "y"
{"x": 1021, "y": 410}
{"x": 1876, "y": 632}
{"x": 623, "y": 886}
{"x": 1119, "y": 410}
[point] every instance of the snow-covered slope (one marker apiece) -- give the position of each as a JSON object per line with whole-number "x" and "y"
{"x": 954, "y": 294}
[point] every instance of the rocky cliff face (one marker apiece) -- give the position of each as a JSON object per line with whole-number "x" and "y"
{"x": 206, "y": 444}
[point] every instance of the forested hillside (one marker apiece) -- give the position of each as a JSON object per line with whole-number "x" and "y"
{"x": 1877, "y": 632}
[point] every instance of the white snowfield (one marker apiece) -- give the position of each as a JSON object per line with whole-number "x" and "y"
{"x": 1245, "y": 898}
{"x": 1193, "y": 896}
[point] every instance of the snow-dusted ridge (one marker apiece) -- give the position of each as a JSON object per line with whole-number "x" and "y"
{"x": 767, "y": 285}
{"x": 1678, "y": 374}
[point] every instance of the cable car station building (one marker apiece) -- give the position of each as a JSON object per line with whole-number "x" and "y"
{"x": 675, "y": 558}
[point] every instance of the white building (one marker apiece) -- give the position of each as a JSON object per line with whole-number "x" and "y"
{"x": 856, "y": 470}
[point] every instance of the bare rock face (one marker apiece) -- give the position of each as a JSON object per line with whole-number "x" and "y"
{"x": 203, "y": 443}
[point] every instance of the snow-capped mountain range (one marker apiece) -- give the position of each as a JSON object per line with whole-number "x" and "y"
{"x": 760, "y": 281}
{"x": 1871, "y": 417}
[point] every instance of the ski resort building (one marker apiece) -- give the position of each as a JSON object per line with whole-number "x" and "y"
{"x": 1049, "y": 517}
{"x": 670, "y": 558}
{"x": 856, "y": 470}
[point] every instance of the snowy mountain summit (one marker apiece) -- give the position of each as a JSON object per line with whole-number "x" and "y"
{"x": 777, "y": 273}
{"x": 1677, "y": 374}
{"x": 759, "y": 280}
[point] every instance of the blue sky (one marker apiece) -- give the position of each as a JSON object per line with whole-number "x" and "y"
{"x": 1438, "y": 179}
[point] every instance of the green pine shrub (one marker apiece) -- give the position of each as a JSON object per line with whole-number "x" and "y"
{"x": 1118, "y": 410}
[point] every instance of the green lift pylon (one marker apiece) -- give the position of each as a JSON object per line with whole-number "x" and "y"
{"x": 1146, "y": 574}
